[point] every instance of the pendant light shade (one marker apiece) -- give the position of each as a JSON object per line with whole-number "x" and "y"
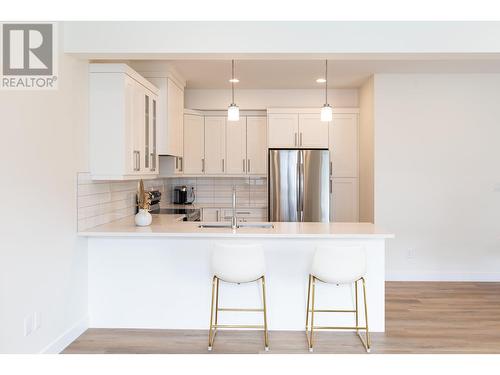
{"x": 326, "y": 113}
{"x": 326, "y": 110}
{"x": 233, "y": 111}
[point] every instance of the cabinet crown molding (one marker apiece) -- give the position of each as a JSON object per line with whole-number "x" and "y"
{"x": 125, "y": 69}
{"x": 293, "y": 110}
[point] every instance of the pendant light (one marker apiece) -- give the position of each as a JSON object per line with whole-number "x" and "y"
{"x": 326, "y": 110}
{"x": 233, "y": 111}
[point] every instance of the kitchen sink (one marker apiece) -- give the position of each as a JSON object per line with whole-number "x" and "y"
{"x": 240, "y": 225}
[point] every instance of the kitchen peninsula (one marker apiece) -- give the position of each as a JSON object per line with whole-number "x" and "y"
{"x": 159, "y": 276}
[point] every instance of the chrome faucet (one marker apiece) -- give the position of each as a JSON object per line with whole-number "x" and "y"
{"x": 234, "y": 223}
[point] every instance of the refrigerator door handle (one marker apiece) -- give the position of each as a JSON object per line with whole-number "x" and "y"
{"x": 301, "y": 185}
{"x": 298, "y": 187}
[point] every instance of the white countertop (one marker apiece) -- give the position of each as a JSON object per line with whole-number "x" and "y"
{"x": 171, "y": 226}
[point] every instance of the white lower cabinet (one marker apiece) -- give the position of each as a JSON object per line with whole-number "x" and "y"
{"x": 210, "y": 214}
{"x": 245, "y": 214}
{"x": 242, "y": 214}
{"x": 344, "y": 200}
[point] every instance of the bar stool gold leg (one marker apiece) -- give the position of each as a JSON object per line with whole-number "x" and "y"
{"x": 308, "y": 307}
{"x": 210, "y": 340}
{"x": 266, "y": 337}
{"x": 311, "y": 339}
{"x": 366, "y": 342}
{"x": 216, "y": 308}
{"x": 356, "y": 299}
{"x": 308, "y": 303}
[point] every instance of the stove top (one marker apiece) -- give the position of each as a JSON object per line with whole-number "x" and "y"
{"x": 192, "y": 214}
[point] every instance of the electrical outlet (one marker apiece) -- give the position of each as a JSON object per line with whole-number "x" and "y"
{"x": 28, "y": 325}
{"x": 410, "y": 254}
{"x": 37, "y": 321}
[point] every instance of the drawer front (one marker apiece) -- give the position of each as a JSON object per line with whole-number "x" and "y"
{"x": 246, "y": 214}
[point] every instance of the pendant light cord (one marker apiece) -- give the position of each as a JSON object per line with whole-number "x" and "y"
{"x": 326, "y": 81}
{"x": 232, "y": 82}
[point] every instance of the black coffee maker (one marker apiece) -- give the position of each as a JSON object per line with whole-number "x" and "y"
{"x": 183, "y": 195}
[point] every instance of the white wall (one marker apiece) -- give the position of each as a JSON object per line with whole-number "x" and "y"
{"x": 366, "y": 129}
{"x": 437, "y": 175}
{"x": 43, "y": 265}
{"x": 261, "y": 99}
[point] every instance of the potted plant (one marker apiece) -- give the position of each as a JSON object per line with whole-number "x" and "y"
{"x": 143, "y": 217}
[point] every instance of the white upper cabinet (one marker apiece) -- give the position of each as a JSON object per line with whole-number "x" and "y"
{"x": 283, "y": 130}
{"x": 246, "y": 145}
{"x": 170, "y": 119}
{"x": 175, "y": 113}
{"x": 194, "y": 144}
{"x": 343, "y": 145}
{"x": 123, "y": 121}
{"x": 215, "y": 145}
{"x": 236, "y": 150}
{"x": 313, "y": 133}
{"x": 297, "y": 130}
{"x": 256, "y": 145}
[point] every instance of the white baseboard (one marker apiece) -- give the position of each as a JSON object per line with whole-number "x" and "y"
{"x": 443, "y": 276}
{"x": 59, "y": 344}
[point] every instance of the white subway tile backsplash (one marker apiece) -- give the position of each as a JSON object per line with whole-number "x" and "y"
{"x": 101, "y": 202}
{"x": 250, "y": 191}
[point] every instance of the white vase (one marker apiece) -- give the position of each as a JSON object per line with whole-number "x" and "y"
{"x": 143, "y": 218}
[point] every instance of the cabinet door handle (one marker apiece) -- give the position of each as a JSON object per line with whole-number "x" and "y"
{"x": 295, "y": 139}
{"x": 217, "y": 215}
{"x": 330, "y": 168}
{"x": 243, "y": 165}
{"x": 300, "y": 142}
{"x": 222, "y": 165}
{"x": 181, "y": 159}
{"x": 248, "y": 162}
{"x": 203, "y": 164}
{"x": 243, "y": 212}
{"x": 331, "y": 190}
{"x": 138, "y": 160}
{"x": 176, "y": 163}
{"x": 152, "y": 162}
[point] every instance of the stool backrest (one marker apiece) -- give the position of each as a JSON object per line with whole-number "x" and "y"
{"x": 238, "y": 263}
{"x": 339, "y": 264}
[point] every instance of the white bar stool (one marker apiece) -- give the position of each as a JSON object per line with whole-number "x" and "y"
{"x": 337, "y": 265}
{"x": 235, "y": 263}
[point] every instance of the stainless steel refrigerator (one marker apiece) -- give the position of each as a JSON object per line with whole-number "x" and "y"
{"x": 298, "y": 182}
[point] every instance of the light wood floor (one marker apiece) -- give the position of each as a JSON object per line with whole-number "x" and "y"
{"x": 421, "y": 317}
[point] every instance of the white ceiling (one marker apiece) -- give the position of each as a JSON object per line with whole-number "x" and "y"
{"x": 288, "y": 74}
